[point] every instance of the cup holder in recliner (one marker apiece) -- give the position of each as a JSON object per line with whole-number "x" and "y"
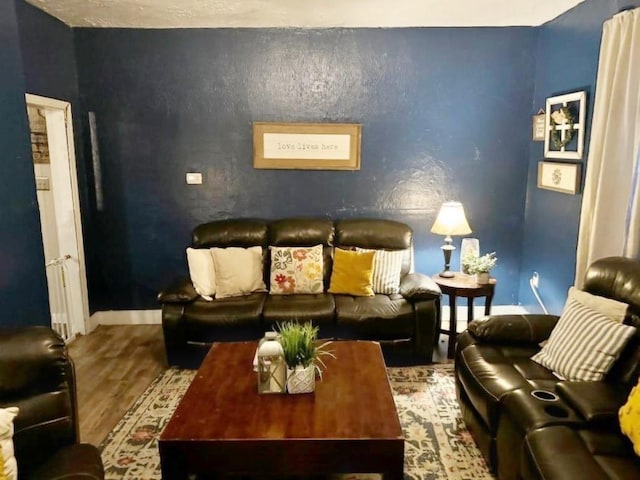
{"x": 544, "y": 395}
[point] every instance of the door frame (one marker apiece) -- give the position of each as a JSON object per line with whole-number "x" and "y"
{"x": 65, "y": 107}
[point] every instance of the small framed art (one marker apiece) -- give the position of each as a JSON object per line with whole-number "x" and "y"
{"x": 559, "y": 177}
{"x": 564, "y": 126}
{"x": 538, "y": 122}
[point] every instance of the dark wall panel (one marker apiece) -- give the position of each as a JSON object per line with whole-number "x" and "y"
{"x": 445, "y": 115}
{"x": 567, "y": 60}
{"x": 23, "y": 289}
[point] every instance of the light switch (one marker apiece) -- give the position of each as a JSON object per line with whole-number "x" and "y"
{"x": 194, "y": 178}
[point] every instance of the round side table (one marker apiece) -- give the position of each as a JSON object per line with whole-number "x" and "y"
{"x": 461, "y": 285}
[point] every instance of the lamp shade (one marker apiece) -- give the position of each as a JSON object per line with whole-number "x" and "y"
{"x": 451, "y": 220}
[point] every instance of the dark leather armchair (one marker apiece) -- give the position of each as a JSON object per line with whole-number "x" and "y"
{"x": 37, "y": 376}
{"x": 571, "y": 428}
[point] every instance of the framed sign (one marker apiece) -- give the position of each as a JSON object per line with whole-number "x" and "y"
{"x": 559, "y": 177}
{"x": 309, "y": 146}
{"x": 564, "y": 126}
{"x": 538, "y": 122}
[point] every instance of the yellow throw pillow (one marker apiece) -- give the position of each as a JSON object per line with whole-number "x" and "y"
{"x": 629, "y": 415}
{"x": 352, "y": 273}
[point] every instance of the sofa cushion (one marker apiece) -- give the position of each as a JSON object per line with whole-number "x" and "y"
{"x": 488, "y": 372}
{"x": 202, "y": 272}
{"x": 378, "y": 316}
{"x": 387, "y": 265}
{"x": 584, "y": 344}
{"x": 296, "y": 270}
{"x": 610, "y": 308}
{"x": 352, "y": 273}
{"x": 226, "y": 313}
{"x": 238, "y": 271}
{"x": 319, "y": 309}
{"x": 8, "y": 465}
{"x": 562, "y": 452}
{"x": 630, "y": 418}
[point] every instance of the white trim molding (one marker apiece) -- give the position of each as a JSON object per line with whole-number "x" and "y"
{"x": 127, "y": 317}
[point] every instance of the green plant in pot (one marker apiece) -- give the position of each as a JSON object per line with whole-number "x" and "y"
{"x": 302, "y": 354}
{"x": 480, "y": 266}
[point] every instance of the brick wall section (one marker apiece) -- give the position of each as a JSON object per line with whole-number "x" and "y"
{"x": 39, "y": 142}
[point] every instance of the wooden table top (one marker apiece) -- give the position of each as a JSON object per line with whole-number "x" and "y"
{"x": 352, "y": 401}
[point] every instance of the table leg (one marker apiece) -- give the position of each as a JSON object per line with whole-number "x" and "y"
{"x": 469, "y": 310}
{"x": 453, "y": 325}
{"x": 487, "y": 304}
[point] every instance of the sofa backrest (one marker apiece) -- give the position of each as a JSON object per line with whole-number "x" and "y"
{"x": 376, "y": 234}
{"x": 306, "y": 232}
{"x": 619, "y": 278}
{"x": 37, "y": 376}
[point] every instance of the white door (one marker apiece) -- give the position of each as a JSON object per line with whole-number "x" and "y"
{"x": 57, "y": 192}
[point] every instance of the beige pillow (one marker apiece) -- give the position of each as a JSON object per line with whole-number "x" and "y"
{"x": 202, "y": 272}
{"x": 612, "y": 309}
{"x": 8, "y": 465}
{"x": 238, "y": 271}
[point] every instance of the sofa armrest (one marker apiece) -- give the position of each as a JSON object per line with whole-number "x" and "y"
{"x": 417, "y": 286}
{"x": 181, "y": 291}
{"x": 528, "y": 328}
{"x": 597, "y": 402}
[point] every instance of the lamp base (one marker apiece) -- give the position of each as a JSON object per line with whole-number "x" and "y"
{"x": 446, "y": 274}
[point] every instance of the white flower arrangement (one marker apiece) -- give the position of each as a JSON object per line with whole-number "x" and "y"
{"x": 482, "y": 264}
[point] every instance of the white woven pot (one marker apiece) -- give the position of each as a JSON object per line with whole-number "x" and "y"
{"x": 301, "y": 379}
{"x": 482, "y": 278}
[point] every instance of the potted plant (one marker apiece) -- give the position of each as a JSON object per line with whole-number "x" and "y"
{"x": 302, "y": 354}
{"x": 480, "y": 266}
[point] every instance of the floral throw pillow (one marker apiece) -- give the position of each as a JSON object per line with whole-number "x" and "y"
{"x": 296, "y": 270}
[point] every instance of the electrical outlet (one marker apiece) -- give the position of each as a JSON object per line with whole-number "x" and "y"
{"x": 535, "y": 279}
{"x": 194, "y": 178}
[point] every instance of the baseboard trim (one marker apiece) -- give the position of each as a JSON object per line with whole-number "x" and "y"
{"x": 478, "y": 312}
{"x": 154, "y": 317}
{"x": 127, "y": 317}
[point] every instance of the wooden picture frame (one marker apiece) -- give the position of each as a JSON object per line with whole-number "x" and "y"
{"x": 559, "y": 177}
{"x": 307, "y": 146}
{"x": 565, "y": 138}
{"x": 538, "y": 123}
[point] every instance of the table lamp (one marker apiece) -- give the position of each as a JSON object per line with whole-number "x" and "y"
{"x": 450, "y": 221}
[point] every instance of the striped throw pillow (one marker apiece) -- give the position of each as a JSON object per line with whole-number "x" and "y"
{"x": 387, "y": 265}
{"x": 584, "y": 344}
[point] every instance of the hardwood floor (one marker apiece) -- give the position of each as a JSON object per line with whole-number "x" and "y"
{"x": 115, "y": 364}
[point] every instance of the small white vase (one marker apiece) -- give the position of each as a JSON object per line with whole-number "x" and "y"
{"x": 301, "y": 379}
{"x": 482, "y": 278}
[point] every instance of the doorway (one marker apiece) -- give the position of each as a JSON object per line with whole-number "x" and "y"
{"x": 54, "y": 160}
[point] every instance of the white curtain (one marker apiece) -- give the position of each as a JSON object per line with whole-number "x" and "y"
{"x": 610, "y": 218}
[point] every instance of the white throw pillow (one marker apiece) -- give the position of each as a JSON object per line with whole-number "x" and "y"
{"x": 584, "y": 344}
{"x": 238, "y": 271}
{"x": 8, "y": 465}
{"x": 387, "y": 265}
{"x": 202, "y": 272}
{"x": 612, "y": 309}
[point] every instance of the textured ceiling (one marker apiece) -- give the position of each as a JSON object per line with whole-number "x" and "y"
{"x": 297, "y": 13}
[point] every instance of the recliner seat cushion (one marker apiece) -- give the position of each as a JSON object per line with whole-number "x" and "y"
{"x": 233, "y": 313}
{"x": 488, "y": 372}
{"x": 376, "y": 316}
{"x": 318, "y": 308}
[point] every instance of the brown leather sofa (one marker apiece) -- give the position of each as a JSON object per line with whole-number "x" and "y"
{"x": 37, "y": 376}
{"x": 573, "y": 431}
{"x": 191, "y": 324}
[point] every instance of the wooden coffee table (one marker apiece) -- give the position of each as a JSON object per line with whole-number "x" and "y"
{"x": 222, "y": 425}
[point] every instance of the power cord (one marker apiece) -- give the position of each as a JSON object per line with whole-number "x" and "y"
{"x": 533, "y": 283}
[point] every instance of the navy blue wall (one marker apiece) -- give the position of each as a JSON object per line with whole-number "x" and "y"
{"x": 567, "y": 60}
{"x": 23, "y": 289}
{"x": 445, "y": 115}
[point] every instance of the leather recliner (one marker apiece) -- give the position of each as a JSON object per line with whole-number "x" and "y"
{"x": 38, "y": 377}
{"x": 571, "y": 430}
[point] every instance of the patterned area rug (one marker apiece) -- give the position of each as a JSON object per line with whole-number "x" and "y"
{"x": 437, "y": 445}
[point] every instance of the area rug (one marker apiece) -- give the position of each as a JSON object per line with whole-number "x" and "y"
{"x": 437, "y": 444}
